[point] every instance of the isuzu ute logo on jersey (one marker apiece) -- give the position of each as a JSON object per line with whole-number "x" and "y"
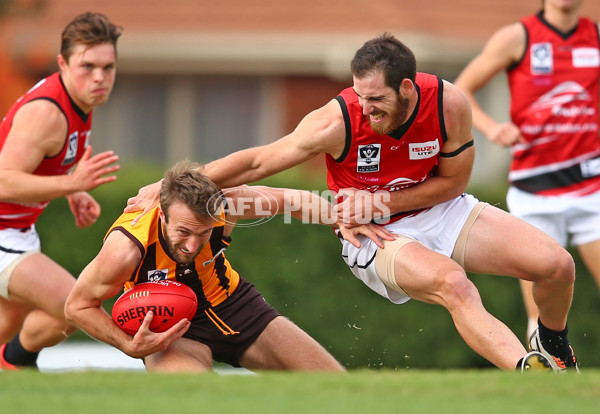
{"x": 541, "y": 59}
{"x": 369, "y": 157}
{"x": 422, "y": 150}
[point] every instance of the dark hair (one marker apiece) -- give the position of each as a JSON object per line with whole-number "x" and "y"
{"x": 183, "y": 182}
{"x": 387, "y": 54}
{"x": 88, "y": 29}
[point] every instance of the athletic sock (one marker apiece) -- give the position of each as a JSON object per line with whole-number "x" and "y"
{"x": 15, "y": 354}
{"x": 520, "y": 363}
{"x": 555, "y": 342}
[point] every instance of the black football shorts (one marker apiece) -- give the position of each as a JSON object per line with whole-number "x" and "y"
{"x": 229, "y": 328}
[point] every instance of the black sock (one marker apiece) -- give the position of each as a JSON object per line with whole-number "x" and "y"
{"x": 555, "y": 342}
{"x": 519, "y": 364}
{"x": 15, "y": 354}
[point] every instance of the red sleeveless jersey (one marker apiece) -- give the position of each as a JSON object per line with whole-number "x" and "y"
{"x": 21, "y": 215}
{"x": 405, "y": 157}
{"x": 554, "y": 90}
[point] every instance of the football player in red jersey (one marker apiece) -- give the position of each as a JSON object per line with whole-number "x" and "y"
{"x": 45, "y": 154}
{"x": 552, "y": 62}
{"x": 399, "y": 149}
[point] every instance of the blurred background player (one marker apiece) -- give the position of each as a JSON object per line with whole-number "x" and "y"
{"x": 184, "y": 238}
{"x": 45, "y": 154}
{"x": 552, "y": 60}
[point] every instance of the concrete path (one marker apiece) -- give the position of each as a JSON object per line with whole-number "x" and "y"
{"x": 90, "y": 355}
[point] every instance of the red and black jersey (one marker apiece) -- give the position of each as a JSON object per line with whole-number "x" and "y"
{"x": 554, "y": 102}
{"x": 405, "y": 157}
{"x": 79, "y": 127}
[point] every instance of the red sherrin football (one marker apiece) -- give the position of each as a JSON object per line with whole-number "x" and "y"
{"x": 170, "y": 301}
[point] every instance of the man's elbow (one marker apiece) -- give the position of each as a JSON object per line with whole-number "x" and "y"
{"x": 71, "y": 311}
{"x": 69, "y": 314}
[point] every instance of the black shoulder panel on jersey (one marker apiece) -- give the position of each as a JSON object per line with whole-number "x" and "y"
{"x": 348, "y": 126}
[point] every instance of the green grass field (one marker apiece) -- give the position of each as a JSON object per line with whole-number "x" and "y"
{"x": 383, "y": 391}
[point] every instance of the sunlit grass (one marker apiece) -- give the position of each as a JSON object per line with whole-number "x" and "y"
{"x": 470, "y": 391}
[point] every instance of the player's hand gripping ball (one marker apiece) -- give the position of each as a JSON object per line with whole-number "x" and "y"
{"x": 170, "y": 301}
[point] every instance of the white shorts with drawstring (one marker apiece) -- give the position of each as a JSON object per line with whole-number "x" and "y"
{"x": 437, "y": 228}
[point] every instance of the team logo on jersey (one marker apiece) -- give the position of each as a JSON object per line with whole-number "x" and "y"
{"x": 541, "y": 59}
{"x": 422, "y": 150}
{"x": 157, "y": 274}
{"x": 586, "y": 57}
{"x": 563, "y": 94}
{"x": 71, "y": 149}
{"x": 369, "y": 157}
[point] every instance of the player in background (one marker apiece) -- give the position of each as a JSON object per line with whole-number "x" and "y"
{"x": 552, "y": 61}
{"x": 184, "y": 238}
{"x": 402, "y": 140}
{"x": 45, "y": 154}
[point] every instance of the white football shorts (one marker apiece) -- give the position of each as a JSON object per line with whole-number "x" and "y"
{"x": 15, "y": 245}
{"x": 437, "y": 228}
{"x": 567, "y": 219}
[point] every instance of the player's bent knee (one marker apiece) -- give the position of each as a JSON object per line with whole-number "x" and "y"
{"x": 457, "y": 290}
{"x": 283, "y": 345}
{"x": 553, "y": 265}
{"x": 183, "y": 355}
{"x": 564, "y": 267}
